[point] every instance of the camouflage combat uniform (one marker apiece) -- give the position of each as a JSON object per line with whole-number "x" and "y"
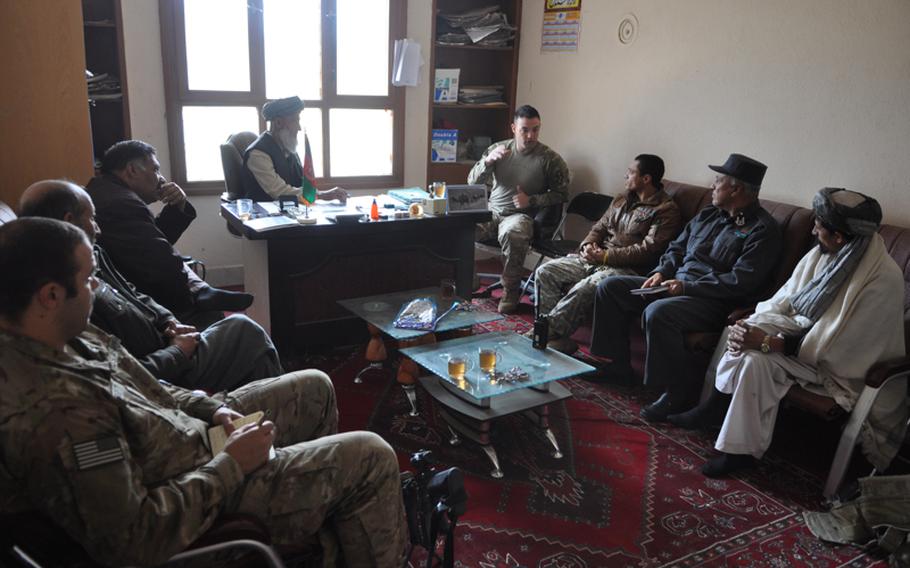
{"x": 543, "y": 175}
{"x": 122, "y": 462}
{"x": 634, "y": 233}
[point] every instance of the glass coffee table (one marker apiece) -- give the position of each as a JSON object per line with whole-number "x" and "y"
{"x": 380, "y": 311}
{"x": 524, "y": 380}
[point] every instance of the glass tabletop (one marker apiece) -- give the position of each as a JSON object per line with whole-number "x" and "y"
{"x": 381, "y": 310}
{"x": 518, "y": 364}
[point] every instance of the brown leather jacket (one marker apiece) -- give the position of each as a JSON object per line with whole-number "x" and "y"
{"x": 636, "y": 232}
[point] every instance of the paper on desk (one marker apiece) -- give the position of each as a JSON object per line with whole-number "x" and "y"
{"x": 271, "y": 207}
{"x": 406, "y": 63}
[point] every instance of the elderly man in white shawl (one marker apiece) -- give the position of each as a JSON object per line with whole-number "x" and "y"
{"x": 839, "y": 313}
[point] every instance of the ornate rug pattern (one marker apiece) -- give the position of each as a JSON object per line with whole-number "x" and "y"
{"x": 626, "y": 493}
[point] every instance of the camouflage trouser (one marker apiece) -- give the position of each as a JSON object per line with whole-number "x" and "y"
{"x": 514, "y": 234}
{"x": 347, "y": 483}
{"x": 566, "y": 312}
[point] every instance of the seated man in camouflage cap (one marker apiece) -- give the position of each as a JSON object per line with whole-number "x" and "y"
{"x": 271, "y": 165}
{"x": 123, "y": 463}
{"x": 525, "y": 175}
{"x": 839, "y": 313}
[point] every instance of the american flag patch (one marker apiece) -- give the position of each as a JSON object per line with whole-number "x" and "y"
{"x": 97, "y": 452}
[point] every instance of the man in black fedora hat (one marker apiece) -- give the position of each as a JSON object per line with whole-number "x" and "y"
{"x": 272, "y": 167}
{"x": 721, "y": 260}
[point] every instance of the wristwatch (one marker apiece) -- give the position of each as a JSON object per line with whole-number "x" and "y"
{"x": 766, "y": 344}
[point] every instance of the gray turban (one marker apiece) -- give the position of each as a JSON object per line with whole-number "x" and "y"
{"x": 281, "y": 107}
{"x": 847, "y": 212}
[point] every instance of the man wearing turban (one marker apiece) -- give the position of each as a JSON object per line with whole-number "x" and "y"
{"x": 272, "y": 167}
{"x": 839, "y": 313}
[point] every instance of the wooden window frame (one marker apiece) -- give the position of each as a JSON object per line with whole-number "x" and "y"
{"x": 178, "y": 94}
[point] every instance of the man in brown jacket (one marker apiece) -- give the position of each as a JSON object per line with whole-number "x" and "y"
{"x": 627, "y": 240}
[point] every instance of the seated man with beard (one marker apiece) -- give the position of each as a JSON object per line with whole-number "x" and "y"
{"x": 838, "y": 314}
{"x": 271, "y": 165}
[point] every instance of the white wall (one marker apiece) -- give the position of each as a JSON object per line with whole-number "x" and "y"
{"x": 816, "y": 89}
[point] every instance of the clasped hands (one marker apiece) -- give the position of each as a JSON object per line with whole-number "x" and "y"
{"x": 249, "y": 445}
{"x": 743, "y": 337}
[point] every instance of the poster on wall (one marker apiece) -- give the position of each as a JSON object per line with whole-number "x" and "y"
{"x": 561, "y": 25}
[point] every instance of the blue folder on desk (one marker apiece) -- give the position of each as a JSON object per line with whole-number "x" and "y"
{"x": 409, "y": 195}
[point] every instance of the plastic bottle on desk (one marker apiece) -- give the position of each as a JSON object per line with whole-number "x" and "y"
{"x": 374, "y": 211}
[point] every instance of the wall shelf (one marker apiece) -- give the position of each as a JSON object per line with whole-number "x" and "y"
{"x": 478, "y": 65}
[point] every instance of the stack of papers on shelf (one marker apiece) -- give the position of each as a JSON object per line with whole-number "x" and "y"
{"x": 103, "y": 87}
{"x": 487, "y": 26}
{"x": 481, "y": 94}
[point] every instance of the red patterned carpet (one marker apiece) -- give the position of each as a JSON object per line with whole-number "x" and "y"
{"x": 626, "y": 493}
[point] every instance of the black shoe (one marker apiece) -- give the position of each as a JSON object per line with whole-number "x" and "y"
{"x": 725, "y": 464}
{"x": 708, "y": 414}
{"x": 222, "y": 300}
{"x": 667, "y": 404}
{"x": 699, "y": 418}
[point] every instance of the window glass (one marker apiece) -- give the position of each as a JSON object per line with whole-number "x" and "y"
{"x": 205, "y": 129}
{"x": 293, "y": 48}
{"x": 361, "y": 142}
{"x": 311, "y": 122}
{"x": 217, "y": 45}
{"x": 363, "y": 47}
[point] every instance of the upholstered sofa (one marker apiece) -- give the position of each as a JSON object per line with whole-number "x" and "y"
{"x": 796, "y": 224}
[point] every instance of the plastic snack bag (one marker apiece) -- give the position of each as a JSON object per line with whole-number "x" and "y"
{"x": 419, "y": 313}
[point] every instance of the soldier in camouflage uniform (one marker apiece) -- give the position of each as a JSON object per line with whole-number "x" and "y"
{"x": 525, "y": 175}
{"x": 627, "y": 240}
{"x": 123, "y": 463}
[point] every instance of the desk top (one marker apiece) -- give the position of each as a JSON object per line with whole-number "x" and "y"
{"x": 541, "y": 366}
{"x": 381, "y": 310}
{"x": 323, "y": 226}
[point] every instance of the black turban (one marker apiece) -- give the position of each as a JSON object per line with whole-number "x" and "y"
{"x": 281, "y": 107}
{"x": 847, "y": 212}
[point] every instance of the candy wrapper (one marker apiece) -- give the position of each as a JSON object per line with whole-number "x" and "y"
{"x": 419, "y": 313}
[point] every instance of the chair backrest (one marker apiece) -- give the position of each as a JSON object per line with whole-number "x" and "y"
{"x": 6, "y": 213}
{"x": 589, "y": 205}
{"x": 232, "y": 162}
{"x": 897, "y": 241}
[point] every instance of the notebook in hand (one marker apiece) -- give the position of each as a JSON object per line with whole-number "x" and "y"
{"x": 218, "y": 435}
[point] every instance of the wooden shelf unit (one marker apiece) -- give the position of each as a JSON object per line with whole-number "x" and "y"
{"x": 103, "y": 31}
{"x": 479, "y": 65}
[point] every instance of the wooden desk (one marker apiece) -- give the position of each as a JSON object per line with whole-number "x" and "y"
{"x": 299, "y": 273}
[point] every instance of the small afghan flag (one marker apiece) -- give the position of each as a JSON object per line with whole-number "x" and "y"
{"x": 308, "y": 195}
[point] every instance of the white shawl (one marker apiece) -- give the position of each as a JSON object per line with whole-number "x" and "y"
{"x": 862, "y": 326}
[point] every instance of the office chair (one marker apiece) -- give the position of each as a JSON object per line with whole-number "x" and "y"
{"x": 546, "y": 221}
{"x": 232, "y": 162}
{"x": 32, "y": 540}
{"x": 590, "y": 206}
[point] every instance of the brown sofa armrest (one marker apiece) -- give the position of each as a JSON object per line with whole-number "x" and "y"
{"x": 881, "y": 371}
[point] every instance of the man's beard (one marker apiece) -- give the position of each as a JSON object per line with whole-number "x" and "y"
{"x": 288, "y": 139}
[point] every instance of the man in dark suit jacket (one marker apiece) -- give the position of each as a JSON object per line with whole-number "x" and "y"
{"x": 226, "y": 355}
{"x": 141, "y": 244}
